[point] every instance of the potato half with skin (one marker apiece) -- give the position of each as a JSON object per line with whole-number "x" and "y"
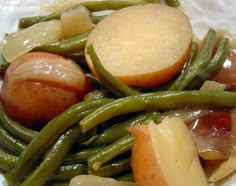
{"x": 143, "y": 45}
{"x": 38, "y": 86}
{"x": 165, "y": 155}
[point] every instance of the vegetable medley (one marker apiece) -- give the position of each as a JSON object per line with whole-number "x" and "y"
{"x": 124, "y": 98}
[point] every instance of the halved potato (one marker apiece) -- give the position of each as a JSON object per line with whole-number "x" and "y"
{"x": 142, "y": 45}
{"x": 165, "y": 155}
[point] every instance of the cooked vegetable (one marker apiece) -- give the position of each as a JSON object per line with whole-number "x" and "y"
{"x": 158, "y": 100}
{"x": 76, "y": 21}
{"x": 107, "y": 153}
{"x": 47, "y": 137}
{"x": 23, "y": 133}
{"x": 199, "y": 63}
{"x": 39, "y": 78}
{"x": 165, "y": 154}
{"x": 25, "y": 40}
{"x": 65, "y": 46}
{"x": 174, "y": 3}
{"x": 143, "y": 54}
{"x": 92, "y": 180}
{"x": 53, "y": 158}
{"x": 112, "y": 83}
{"x": 214, "y": 64}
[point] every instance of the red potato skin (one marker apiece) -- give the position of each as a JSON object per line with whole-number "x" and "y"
{"x": 152, "y": 79}
{"x": 32, "y": 102}
{"x": 144, "y": 165}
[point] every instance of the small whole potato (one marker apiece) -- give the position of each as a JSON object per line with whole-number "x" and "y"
{"x": 38, "y": 86}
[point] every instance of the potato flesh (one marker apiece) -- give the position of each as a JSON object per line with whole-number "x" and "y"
{"x": 141, "y": 39}
{"x": 176, "y": 153}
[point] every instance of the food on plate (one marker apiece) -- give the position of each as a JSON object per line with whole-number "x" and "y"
{"x": 161, "y": 151}
{"x": 76, "y": 21}
{"x": 138, "y": 80}
{"x": 145, "y": 44}
{"x": 23, "y": 41}
{"x": 48, "y": 84}
{"x": 92, "y": 180}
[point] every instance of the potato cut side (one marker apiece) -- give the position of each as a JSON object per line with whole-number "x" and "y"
{"x": 142, "y": 45}
{"x": 166, "y": 155}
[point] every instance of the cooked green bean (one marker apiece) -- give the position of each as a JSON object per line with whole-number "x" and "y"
{"x": 81, "y": 155}
{"x": 173, "y": 3}
{"x": 110, "y": 151}
{"x": 93, "y": 6}
{"x": 113, "y": 168}
{"x": 15, "y": 128}
{"x": 29, "y": 21}
{"x": 201, "y": 60}
{"x": 7, "y": 161}
{"x": 213, "y": 66}
{"x": 47, "y": 137}
{"x": 115, "y": 85}
{"x": 119, "y": 130}
{"x": 26, "y": 22}
{"x": 53, "y": 159}
{"x": 67, "y": 172}
{"x": 10, "y": 142}
{"x": 65, "y": 46}
{"x": 192, "y": 56}
{"x": 158, "y": 100}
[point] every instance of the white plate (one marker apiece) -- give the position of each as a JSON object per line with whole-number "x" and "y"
{"x": 203, "y": 14}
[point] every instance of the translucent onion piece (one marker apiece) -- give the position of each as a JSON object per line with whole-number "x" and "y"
{"x": 76, "y": 21}
{"x": 225, "y": 168}
{"x": 187, "y": 115}
{"x": 212, "y": 85}
{"x": 92, "y": 180}
{"x": 212, "y": 135}
{"x": 25, "y": 40}
{"x": 59, "y": 71}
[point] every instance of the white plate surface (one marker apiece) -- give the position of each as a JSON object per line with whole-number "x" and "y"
{"x": 203, "y": 14}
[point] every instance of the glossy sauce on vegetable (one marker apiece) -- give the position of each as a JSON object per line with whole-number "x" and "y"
{"x": 212, "y": 134}
{"x": 227, "y": 74}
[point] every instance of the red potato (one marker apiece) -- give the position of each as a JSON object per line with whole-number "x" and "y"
{"x": 38, "y": 86}
{"x": 165, "y": 155}
{"x": 143, "y": 45}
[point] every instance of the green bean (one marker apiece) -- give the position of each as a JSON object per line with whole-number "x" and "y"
{"x": 173, "y": 3}
{"x": 213, "y": 66}
{"x": 97, "y": 94}
{"x": 7, "y": 161}
{"x": 47, "y": 137}
{"x": 15, "y": 128}
{"x": 10, "y": 142}
{"x": 192, "y": 56}
{"x": 110, "y": 151}
{"x": 201, "y": 60}
{"x": 53, "y": 159}
{"x": 119, "y": 130}
{"x": 26, "y": 22}
{"x": 93, "y": 6}
{"x": 113, "y": 168}
{"x": 65, "y": 46}
{"x": 81, "y": 155}
{"x": 29, "y": 21}
{"x": 158, "y": 100}
{"x": 115, "y": 85}
{"x": 67, "y": 172}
